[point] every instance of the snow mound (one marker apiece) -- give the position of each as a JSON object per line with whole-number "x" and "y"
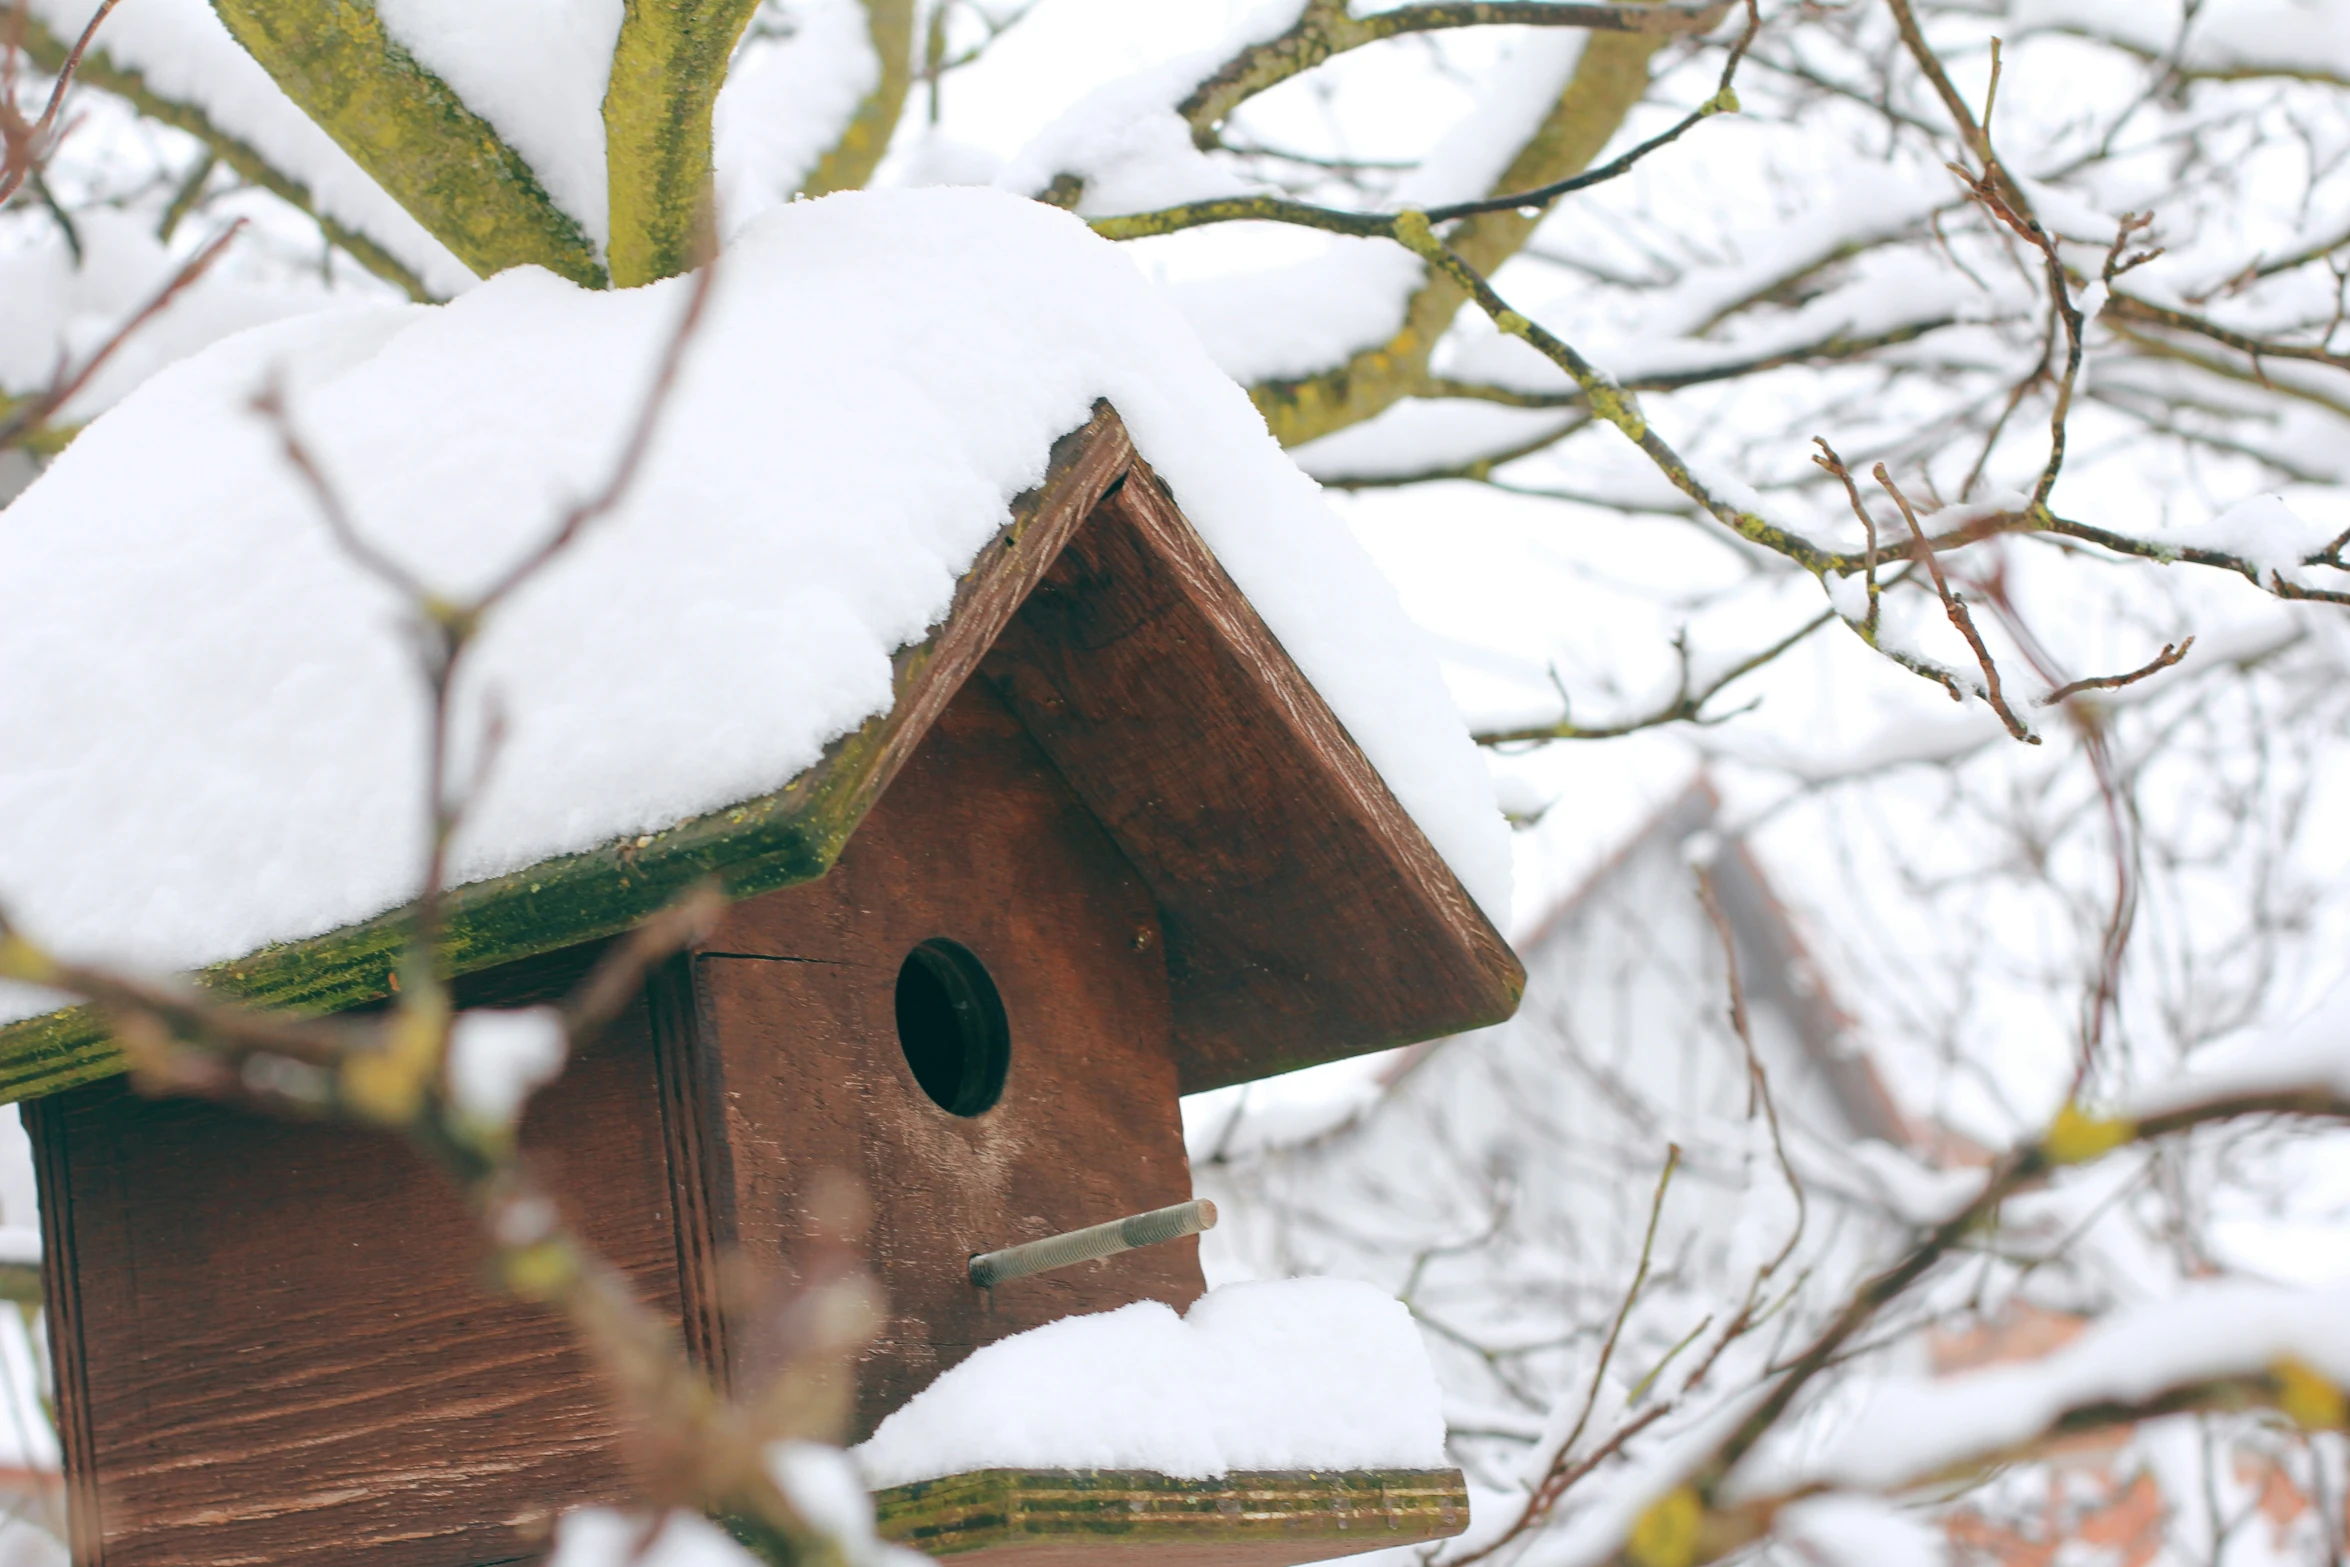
{"x": 211, "y": 737}
{"x": 1315, "y": 1374}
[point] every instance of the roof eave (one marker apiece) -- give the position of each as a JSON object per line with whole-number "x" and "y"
{"x": 791, "y": 835}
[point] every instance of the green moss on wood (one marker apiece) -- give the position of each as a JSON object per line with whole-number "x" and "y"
{"x": 789, "y": 836}
{"x": 412, "y": 134}
{"x": 1316, "y": 1514}
{"x": 666, "y": 71}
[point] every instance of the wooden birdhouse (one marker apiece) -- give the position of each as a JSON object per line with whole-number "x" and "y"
{"x": 1105, "y": 846}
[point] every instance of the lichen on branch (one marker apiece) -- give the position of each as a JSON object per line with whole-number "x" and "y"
{"x": 412, "y": 135}
{"x": 1609, "y": 80}
{"x": 1327, "y": 28}
{"x": 849, "y": 162}
{"x": 666, "y": 71}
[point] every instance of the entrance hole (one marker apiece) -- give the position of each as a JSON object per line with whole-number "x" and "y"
{"x": 951, "y": 1027}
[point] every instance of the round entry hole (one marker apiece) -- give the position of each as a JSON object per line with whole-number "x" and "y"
{"x": 951, "y": 1026}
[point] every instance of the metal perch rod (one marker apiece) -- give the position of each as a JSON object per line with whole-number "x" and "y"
{"x": 991, "y": 1268}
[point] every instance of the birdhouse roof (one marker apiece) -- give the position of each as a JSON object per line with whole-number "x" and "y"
{"x": 902, "y": 413}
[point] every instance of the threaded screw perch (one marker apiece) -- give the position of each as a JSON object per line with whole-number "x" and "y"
{"x": 991, "y": 1268}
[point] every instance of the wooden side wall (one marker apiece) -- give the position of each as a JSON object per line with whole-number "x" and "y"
{"x": 274, "y": 1344}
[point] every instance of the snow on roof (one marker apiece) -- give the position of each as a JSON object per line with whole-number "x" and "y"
{"x": 1314, "y": 1374}
{"x": 211, "y": 738}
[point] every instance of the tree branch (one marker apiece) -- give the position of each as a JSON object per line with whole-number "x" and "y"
{"x": 99, "y": 70}
{"x": 24, "y": 144}
{"x": 1687, "y": 705}
{"x": 26, "y": 417}
{"x": 849, "y": 162}
{"x": 412, "y": 135}
{"x": 1326, "y": 29}
{"x": 666, "y": 71}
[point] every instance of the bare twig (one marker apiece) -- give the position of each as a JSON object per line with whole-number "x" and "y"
{"x": 1758, "y": 1080}
{"x": 36, "y": 411}
{"x": 2161, "y": 661}
{"x": 1687, "y": 705}
{"x": 25, "y": 144}
{"x": 1955, "y": 606}
{"x": 1724, "y": 101}
{"x": 1565, "y": 1468}
{"x": 1834, "y": 465}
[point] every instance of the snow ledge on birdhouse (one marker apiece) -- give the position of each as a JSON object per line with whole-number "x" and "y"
{"x": 212, "y": 737}
{"x": 1293, "y": 1374}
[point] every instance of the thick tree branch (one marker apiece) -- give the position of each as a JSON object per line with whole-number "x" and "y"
{"x": 1327, "y": 29}
{"x": 413, "y": 135}
{"x": 850, "y": 161}
{"x": 666, "y": 71}
{"x": 1609, "y": 80}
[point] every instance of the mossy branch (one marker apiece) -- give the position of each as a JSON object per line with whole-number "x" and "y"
{"x": 1327, "y": 28}
{"x": 1603, "y": 396}
{"x": 99, "y": 70}
{"x": 1716, "y": 1525}
{"x": 1608, "y": 81}
{"x": 850, "y": 161}
{"x": 666, "y": 72}
{"x": 412, "y": 135}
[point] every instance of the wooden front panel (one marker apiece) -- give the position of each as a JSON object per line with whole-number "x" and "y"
{"x": 275, "y": 1345}
{"x": 1307, "y": 917}
{"x": 979, "y": 841}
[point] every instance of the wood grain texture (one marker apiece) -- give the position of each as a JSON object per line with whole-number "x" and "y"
{"x": 981, "y": 842}
{"x": 1307, "y": 917}
{"x": 275, "y": 1344}
{"x": 1016, "y": 1518}
{"x": 61, "y": 1312}
{"x": 771, "y": 841}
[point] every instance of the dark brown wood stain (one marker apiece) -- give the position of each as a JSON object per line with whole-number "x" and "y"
{"x": 1306, "y": 916}
{"x": 981, "y": 842}
{"x": 278, "y": 1348}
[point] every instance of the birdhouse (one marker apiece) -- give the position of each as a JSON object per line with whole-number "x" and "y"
{"x": 1102, "y": 844}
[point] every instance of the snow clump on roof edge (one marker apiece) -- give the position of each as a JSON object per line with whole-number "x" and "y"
{"x": 212, "y": 734}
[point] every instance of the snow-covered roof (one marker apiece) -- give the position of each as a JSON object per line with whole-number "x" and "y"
{"x": 211, "y": 736}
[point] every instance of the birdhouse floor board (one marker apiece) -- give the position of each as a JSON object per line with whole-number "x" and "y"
{"x": 1015, "y": 1517}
